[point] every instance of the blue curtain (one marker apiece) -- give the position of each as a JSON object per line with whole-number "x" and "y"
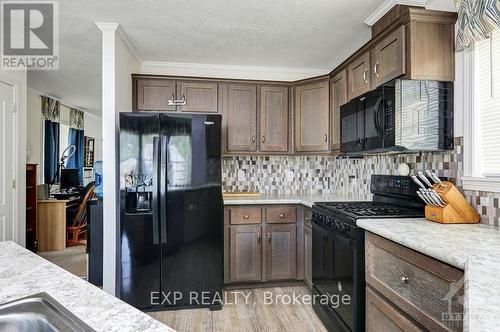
{"x": 75, "y": 137}
{"x": 51, "y": 151}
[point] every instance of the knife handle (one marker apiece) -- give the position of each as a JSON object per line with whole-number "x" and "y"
{"x": 424, "y": 178}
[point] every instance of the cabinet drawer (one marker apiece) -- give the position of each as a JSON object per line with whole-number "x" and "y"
{"x": 382, "y": 316}
{"x": 245, "y": 215}
{"x": 281, "y": 214}
{"x": 419, "y": 285}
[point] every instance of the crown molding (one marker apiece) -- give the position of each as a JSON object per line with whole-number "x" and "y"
{"x": 229, "y": 71}
{"x": 387, "y": 5}
{"x": 127, "y": 43}
{"x": 107, "y": 25}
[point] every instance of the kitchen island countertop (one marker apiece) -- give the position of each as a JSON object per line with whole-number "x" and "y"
{"x": 23, "y": 273}
{"x": 472, "y": 248}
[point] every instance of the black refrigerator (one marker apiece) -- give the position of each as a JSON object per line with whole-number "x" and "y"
{"x": 170, "y": 228}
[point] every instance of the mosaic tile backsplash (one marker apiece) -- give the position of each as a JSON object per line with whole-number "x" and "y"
{"x": 325, "y": 174}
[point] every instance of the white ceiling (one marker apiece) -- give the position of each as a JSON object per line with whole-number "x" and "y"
{"x": 313, "y": 35}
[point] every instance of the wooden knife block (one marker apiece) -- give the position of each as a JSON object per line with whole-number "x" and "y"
{"x": 457, "y": 209}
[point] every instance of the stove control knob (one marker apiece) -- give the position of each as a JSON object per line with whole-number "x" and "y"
{"x": 329, "y": 222}
{"x": 315, "y": 215}
{"x": 343, "y": 227}
{"x": 337, "y": 226}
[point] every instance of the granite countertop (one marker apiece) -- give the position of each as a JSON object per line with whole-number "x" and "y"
{"x": 302, "y": 199}
{"x": 473, "y": 248}
{"x": 23, "y": 273}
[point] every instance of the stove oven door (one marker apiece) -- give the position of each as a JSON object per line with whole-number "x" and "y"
{"x": 338, "y": 275}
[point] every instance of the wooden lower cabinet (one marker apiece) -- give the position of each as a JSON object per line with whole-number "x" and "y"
{"x": 308, "y": 256}
{"x": 259, "y": 250}
{"x": 382, "y": 316}
{"x": 425, "y": 289}
{"x": 280, "y": 252}
{"x": 245, "y": 253}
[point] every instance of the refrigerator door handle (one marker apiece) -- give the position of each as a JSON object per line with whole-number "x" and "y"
{"x": 154, "y": 208}
{"x": 163, "y": 188}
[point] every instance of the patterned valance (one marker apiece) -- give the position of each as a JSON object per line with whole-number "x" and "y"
{"x": 476, "y": 20}
{"x": 76, "y": 119}
{"x": 50, "y": 109}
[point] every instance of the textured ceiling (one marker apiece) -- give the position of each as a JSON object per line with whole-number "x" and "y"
{"x": 315, "y": 34}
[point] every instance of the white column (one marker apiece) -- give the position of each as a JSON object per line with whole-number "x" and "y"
{"x": 110, "y": 155}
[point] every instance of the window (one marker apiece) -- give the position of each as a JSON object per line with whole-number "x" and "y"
{"x": 63, "y": 137}
{"x": 482, "y": 164}
{"x": 487, "y": 69}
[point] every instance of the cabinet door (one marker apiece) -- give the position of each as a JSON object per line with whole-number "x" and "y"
{"x": 274, "y": 119}
{"x": 245, "y": 253}
{"x": 312, "y": 117}
{"x": 200, "y": 97}
{"x": 358, "y": 73}
{"x": 382, "y": 316}
{"x": 339, "y": 98}
{"x": 308, "y": 256}
{"x": 389, "y": 58}
{"x": 281, "y": 252}
{"x": 242, "y": 118}
{"x": 154, "y": 94}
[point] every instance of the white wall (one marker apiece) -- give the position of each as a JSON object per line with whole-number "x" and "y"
{"x": 34, "y": 135}
{"x": 93, "y": 128}
{"x": 118, "y": 63}
{"x": 19, "y": 78}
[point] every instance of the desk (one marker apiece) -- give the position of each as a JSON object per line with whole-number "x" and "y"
{"x": 51, "y": 223}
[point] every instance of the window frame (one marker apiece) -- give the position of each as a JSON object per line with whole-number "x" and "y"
{"x": 472, "y": 179}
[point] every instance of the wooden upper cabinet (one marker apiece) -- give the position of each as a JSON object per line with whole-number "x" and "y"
{"x": 431, "y": 54}
{"x": 200, "y": 97}
{"x": 389, "y": 58}
{"x": 280, "y": 252}
{"x": 312, "y": 117}
{"x": 358, "y": 73}
{"x": 338, "y": 98}
{"x": 242, "y": 117}
{"x": 245, "y": 253}
{"x": 273, "y": 119}
{"x": 154, "y": 94}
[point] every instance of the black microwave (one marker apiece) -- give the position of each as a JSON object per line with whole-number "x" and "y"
{"x": 402, "y": 115}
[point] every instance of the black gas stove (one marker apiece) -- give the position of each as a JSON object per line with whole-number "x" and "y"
{"x": 338, "y": 247}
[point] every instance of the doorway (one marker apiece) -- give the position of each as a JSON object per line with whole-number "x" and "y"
{"x": 7, "y": 160}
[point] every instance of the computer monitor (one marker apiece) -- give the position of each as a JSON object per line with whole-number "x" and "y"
{"x": 69, "y": 178}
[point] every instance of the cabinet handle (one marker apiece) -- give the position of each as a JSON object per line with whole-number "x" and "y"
{"x": 253, "y": 138}
{"x": 282, "y": 215}
{"x": 364, "y": 75}
{"x": 326, "y": 138}
{"x": 171, "y": 101}
{"x": 258, "y": 238}
{"x": 268, "y": 238}
{"x": 177, "y": 102}
{"x": 375, "y": 68}
{"x": 308, "y": 219}
{"x": 263, "y": 139}
{"x": 404, "y": 279}
{"x": 246, "y": 216}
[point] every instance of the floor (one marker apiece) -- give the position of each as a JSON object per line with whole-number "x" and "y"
{"x": 255, "y": 316}
{"x": 73, "y": 259}
{"x": 245, "y": 309}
